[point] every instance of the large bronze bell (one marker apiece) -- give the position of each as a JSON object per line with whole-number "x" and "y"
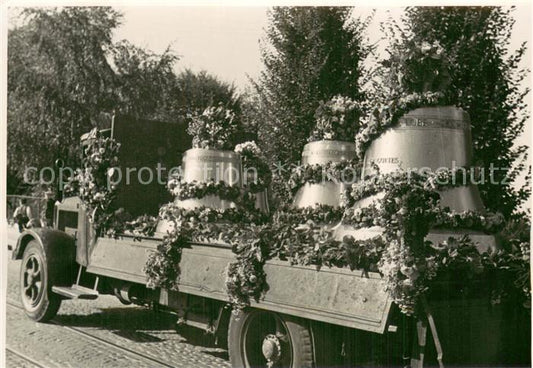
{"x": 327, "y": 192}
{"x": 203, "y": 165}
{"x": 429, "y": 138}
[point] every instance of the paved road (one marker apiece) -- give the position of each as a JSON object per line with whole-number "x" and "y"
{"x": 103, "y": 333}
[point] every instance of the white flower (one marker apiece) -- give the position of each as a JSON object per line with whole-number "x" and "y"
{"x": 425, "y": 47}
{"x": 250, "y": 146}
{"x": 98, "y": 196}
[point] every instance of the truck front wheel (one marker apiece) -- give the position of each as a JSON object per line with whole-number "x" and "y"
{"x": 264, "y": 339}
{"x": 39, "y": 303}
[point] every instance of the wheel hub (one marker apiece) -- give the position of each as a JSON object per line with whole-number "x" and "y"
{"x": 32, "y": 280}
{"x": 271, "y": 349}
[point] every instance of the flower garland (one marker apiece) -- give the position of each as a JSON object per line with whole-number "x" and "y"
{"x": 253, "y": 159}
{"x": 206, "y": 215}
{"x": 489, "y": 223}
{"x": 336, "y": 119}
{"x": 162, "y": 266}
{"x": 442, "y": 179}
{"x": 323, "y": 214}
{"x": 438, "y": 181}
{"x": 409, "y": 264}
{"x": 282, "y": 238}
{"x": 90, "y": 181}
{"x": 185, "y": 190}
{"x": 202, "y": 224}
{"x": 213, "y": 128}
{"x": 407, "y": 211}
{"x": 245, "y": 277}
{"x": 90, "y": 184}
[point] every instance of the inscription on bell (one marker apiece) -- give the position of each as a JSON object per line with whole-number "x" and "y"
{"x": 386, "y": 160}
{"x": 435, "y": 122}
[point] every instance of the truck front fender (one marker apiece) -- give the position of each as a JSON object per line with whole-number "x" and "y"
{"x": 59, "y": 250}
{"x": 57, "y": 245}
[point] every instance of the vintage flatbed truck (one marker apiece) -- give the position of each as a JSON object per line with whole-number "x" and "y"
{"x": 331, "y": 317}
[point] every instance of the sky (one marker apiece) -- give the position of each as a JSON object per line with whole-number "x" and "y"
{"x": 225, "y": 40}
{"x": 221, "y": 40}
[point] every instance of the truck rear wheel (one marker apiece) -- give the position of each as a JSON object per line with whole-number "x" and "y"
{"x": 39, "y": 303}
{"x": 264, "y": 339}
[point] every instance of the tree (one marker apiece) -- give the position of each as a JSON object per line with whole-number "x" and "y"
{"x": 58, "y": 82}
{"x": 144, "y": 81}
{"x": 66, "y": 73}
{"x": 310, "y": 55}
{"x": 485, "y": 80}
{"x": 189, "y": 93}
{"x": 196, "y": 91}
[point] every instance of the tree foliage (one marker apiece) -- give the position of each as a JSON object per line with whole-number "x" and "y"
{"x": 144, "y": 81}
{"x": 196, "y": 91}
{"x": 65, "y": 73}
{"x": 310, "y": 54}
{"x": 484, "y": 79}
{"x": 58, "y": 82}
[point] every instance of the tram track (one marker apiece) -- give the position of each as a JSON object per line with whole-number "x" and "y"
{"x": 25, "y": 357}
{"x": 145, "y": 357}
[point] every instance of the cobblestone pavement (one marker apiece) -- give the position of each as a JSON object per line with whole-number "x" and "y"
{"x": 120, "y": 336}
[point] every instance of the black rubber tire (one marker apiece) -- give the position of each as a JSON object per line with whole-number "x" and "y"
{"x": 46, "y": 304}
{"x": 298, "y": 331}
{"x": 328, "y": 345}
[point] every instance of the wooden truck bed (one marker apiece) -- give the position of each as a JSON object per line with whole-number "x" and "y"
{"x": 333, "y": 295}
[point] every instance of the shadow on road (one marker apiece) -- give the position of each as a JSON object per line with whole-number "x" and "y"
{"x": 136, "y": 324}
{"x": 120, "y": 319}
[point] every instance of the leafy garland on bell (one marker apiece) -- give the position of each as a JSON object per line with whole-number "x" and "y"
{"x": 183, "y": 190}
{"x": 385, "y": 115}
{"x": 409, "y": 264}
{"x": 304, "y": 236}
{"x": 440, "y": 180}
{"x": 343, "y": 171}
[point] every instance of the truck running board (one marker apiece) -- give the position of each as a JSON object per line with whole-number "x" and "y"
{"x": 75, "y": 292}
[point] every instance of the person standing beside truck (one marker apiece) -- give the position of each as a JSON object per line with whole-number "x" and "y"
{"x": 47, "y": 213}
{"x": 22, "y": 215}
